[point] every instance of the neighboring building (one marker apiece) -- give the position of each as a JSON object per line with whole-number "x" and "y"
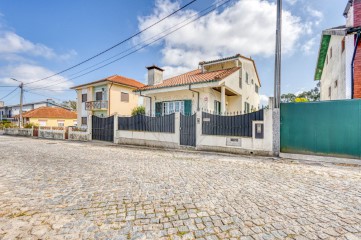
{"x": 338, "y": 78}
{"x": 224, "y": 85}
{"x": 9, "y": 112}
{"x": 106, "y": 97}
{"x": 51, "y": 117}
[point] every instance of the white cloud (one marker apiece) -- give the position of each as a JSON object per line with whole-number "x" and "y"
{"x": 263, "y": 100}
{"x": 246, "y": 27}
{"x": 291, "y": 2}
{"x": 309, "y": 46}
{"x": 11, "y": 43}
{"x": 30, "y": 72}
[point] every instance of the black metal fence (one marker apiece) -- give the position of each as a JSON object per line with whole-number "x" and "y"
{"x": 165, "y": 124}
{"x": 239, "y": 125}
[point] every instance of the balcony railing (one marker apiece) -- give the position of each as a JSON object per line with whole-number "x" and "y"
{"x": 96, "y": 105}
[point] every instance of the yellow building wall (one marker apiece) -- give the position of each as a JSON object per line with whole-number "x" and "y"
{"x": 116, "y": 105}
{"x": 53, "y": 122}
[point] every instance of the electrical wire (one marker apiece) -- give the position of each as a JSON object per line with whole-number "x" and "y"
{"x": 116, "y": 45}
{"x": 9, "y": 93}
{"x": 138, "y": 49}
{"x": 133, "y": 47}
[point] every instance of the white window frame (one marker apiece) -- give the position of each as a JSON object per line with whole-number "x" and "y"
{"x": 173, "y": 107}
{"x": 62, "y": 123}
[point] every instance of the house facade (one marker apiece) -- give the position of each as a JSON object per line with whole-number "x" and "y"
{"x": 106, "y": 97}
{"x": 51, "y": 117}
{"x": 8, "y": 112}
{"x": 339, "y": 61}
{"x": 227, "y": 85}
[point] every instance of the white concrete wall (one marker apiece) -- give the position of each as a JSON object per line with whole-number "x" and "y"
{"x": 153, "y": 139}
{"x": 334, "y": 70}
{"x": 248, "y": 144}
{"x": 350, "y": 46}
{"x": 203, "y": 142}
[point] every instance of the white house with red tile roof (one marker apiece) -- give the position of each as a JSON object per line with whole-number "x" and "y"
{"x": 224, "y": 85}
{"x": 105, "y": 97}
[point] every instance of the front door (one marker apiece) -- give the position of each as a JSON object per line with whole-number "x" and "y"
{"x": 188, "y": 130}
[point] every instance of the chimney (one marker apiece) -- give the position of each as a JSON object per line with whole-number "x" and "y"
{"x": 155, "y": 75}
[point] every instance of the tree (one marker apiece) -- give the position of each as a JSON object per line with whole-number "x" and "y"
{"x": 306, "y": 96}
{"x": 138, "y": 111}
{"x": 70, "y": 104}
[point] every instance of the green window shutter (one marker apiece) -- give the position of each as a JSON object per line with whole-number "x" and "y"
{"x": 158, "y": 109}
{"x": 188, "y": 107}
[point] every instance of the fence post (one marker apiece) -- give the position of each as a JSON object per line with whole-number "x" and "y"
{"x": 115, "y": 127}
{"x": 32, "y": 131}
{"x": 177, "y": 127}
{"x": 89, "y": 126}
{"x": 199, "y": 122}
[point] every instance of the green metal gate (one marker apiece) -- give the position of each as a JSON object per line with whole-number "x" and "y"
{"x": 331, "y": 128}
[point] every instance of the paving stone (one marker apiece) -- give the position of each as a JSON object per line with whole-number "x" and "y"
{"x": 69, "y": 190}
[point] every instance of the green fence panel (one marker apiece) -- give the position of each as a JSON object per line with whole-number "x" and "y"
{"x": 330, "y": 128}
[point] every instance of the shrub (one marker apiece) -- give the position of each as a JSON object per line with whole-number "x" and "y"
{"x": 138, "y": 110}
{"x": 30, "y": 125}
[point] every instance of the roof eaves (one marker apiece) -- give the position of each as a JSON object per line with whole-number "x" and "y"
{"x": 324, "y": 44}
{"x": 177, "y": 85}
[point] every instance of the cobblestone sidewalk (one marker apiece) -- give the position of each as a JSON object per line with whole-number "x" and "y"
{"x": 67, "y": 190}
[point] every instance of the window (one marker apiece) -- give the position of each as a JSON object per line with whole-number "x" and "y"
{"x": 217, "y": 107}
{"x": 42, "y": 123}
{"x": 99, "y": 96}
{"x": 61, "y": 123}
{"x": 256, "y": 88}
{"x": 84, "y": 121}
{"x": 172, "y": 107}
{"x": 336, "y": 84}
{"x": 343, "y": 45}
{"x": 246, "y": 77}
{"x": 84, "y": 97}
{"x": 326, "y": 59}
{"x": 252, "y": 82}
{"x": 124, "y": 97}
{"x": 240, "y": 79}
{"x": 75, "y": 122}
{"x": 246, "y": 107}
{"x": 329, "y": 91}
{"x": 330, "y": 52}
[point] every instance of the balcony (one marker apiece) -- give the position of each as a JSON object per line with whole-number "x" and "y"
{"x": 96, "y": 105}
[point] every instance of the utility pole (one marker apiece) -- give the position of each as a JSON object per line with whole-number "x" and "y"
{"x": 276, "y": 126}
{"x": 277, "y": 81}
{"x": 21, "y": 86}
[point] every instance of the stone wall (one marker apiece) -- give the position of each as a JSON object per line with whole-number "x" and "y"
{"x": 25, "y": 132}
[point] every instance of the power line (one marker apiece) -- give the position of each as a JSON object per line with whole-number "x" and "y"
{"x": 127, "y": 50}
{"x": 43, "y": 95}
{"x": 144, "y": 46}
{"x": 9, "y": 93}
{"x": 116, "y": 45}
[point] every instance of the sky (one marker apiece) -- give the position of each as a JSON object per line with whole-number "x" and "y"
{"x": 41, "y": 38}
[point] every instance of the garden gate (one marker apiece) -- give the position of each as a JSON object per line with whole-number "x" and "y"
{"x": 103, "y": 128}
{"x": 188, "y": 130}
{"x": 324, "y": 128}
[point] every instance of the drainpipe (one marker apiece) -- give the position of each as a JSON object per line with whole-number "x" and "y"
{"x": 353, "y": 64}
{"x": 150, "y": 101}
{"x": 111, "y": 85}
{"x": 198, "y": 96}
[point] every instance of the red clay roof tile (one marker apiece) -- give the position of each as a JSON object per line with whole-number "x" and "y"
{"x": 195, "y": 76}
{"x": 50, "y": 112}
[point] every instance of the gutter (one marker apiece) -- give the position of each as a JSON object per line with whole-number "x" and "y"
{"x": 198, "y": 96}
{"x": 150, "y": 100}
{"x": 111, "y": 85}
{"x": 353, "y": 64}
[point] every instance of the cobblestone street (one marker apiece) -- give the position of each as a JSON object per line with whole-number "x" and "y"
{"x": 70, "y": 190}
